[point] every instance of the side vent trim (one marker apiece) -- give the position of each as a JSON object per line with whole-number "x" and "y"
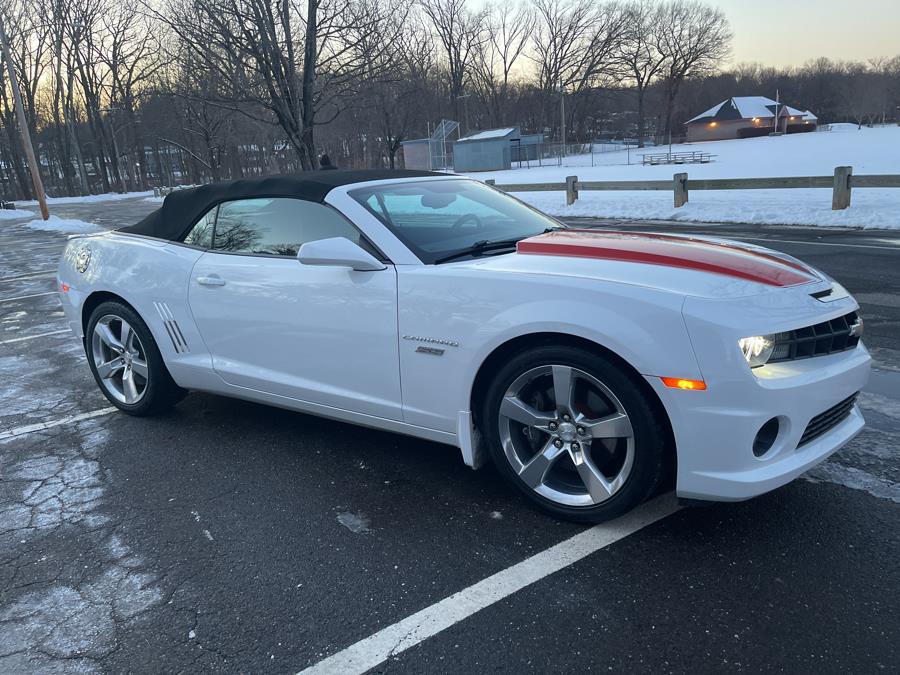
{"x": 172, "y": 328}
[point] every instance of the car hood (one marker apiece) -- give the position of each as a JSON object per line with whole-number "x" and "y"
{"x": 690, "y": 265}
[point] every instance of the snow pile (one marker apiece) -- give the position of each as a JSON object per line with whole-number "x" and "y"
{"x": 67, "y": 225}
{"x": 868, "y": 151}
{"x": 90, "y": 199}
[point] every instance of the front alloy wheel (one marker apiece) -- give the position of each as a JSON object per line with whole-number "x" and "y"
{"x": 566, "y": 435}
{"x": 575, "y": 431}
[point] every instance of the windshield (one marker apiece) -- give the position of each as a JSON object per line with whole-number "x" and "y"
{"x": 442, "y": 217}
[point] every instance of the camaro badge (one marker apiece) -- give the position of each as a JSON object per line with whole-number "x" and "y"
{"x": 433, "y": 341}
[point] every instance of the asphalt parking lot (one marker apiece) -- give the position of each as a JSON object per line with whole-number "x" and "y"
{"x": 230, "y": 537}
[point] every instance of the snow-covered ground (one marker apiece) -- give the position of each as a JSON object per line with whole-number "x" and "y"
{"x": 66, "y": 225}
{"x": 89, "y": 199}
{"x": 868, "y": 151}
{"x": 13, "y": 214}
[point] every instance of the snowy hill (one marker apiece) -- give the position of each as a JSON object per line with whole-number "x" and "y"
{"x": 868, "y": 151}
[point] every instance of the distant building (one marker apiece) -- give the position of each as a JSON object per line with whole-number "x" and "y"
{"x": 748, "y": 116}
{"x": 417, "y": 154}
{"x": 494, "y": 149}
{"x": 488, "y": 150}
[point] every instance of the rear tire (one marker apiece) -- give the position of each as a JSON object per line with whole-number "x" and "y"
{"x": 126, "y": 361}
{"x": 590, "y": 453}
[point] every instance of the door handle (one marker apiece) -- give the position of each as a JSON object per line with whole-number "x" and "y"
{"x": 211, "y": 281}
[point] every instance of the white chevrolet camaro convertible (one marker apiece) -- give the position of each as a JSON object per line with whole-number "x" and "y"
{"x": 586, "y": 364}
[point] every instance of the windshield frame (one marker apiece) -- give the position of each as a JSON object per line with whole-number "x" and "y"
{"x": 361, "y": 193}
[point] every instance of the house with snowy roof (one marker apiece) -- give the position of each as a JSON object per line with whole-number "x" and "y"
{"x": 746, "y": 117}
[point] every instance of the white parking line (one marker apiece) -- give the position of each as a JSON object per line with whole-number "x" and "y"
{"x": 26, "y": 277}
{"x": 412, "y": 630}
{"x": 40, "y": 426}
{"x": 33, "y": 337}
{"x": 774, "y": 240}
{"x": 26, "y": 297}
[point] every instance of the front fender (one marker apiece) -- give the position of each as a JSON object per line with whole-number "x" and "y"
{"x": 643, "y": 327}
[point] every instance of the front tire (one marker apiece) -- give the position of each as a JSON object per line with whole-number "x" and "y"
{"x": 126, "y": 362}
{"x": 574, "y": 433}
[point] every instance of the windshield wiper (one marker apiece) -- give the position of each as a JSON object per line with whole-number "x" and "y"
{"x": 479, "y": 247}
{"x": 486, "y": 245}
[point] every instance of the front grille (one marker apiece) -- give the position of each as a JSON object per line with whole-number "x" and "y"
{"x": 828, "y": 337}
{"x": 828, "y": 420}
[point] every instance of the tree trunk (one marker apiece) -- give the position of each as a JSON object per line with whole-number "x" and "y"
{"x": 641, "y": 93}
{"x": 307, "y": 145}
{"x": 16, "y": 158}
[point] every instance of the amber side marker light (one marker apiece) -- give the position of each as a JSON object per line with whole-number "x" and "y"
{"x": 64, "y": 288}
{"x": 681, "y": 383}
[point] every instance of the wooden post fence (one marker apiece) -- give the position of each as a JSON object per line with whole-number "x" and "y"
{"x": 841, "y": 184}
{"x": 571, "y": 189}
{"x": 840, "y": 196}
{"x": 681, "y": 189}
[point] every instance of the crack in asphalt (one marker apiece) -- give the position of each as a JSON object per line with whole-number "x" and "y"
{"x": 53, "y": 487}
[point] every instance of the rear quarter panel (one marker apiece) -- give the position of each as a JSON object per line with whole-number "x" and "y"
{"x": 150, "y": 275}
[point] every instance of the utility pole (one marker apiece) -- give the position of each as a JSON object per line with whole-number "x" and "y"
{"x": 23, "y": 125}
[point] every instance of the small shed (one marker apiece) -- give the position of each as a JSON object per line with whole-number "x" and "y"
{"x": 488, "y": 150}
{"x": 417, "y": 154}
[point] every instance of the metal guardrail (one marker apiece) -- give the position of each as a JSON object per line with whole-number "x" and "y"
{"x": 841, "y": 183}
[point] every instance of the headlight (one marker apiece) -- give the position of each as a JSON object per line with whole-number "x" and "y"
{"x": 757, "y": 349}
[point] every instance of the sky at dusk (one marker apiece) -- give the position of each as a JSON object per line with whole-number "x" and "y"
{"x": 776, "y": 32}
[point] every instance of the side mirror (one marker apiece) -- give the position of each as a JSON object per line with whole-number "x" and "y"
{"x": 339, "y": 252}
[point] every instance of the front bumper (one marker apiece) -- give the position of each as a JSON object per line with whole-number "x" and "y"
{"x": 715, "y": 429}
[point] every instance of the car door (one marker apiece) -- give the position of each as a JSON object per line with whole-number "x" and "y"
{"x": 325, "y": 335}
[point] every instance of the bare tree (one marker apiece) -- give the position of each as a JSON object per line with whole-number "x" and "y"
{"x": 461, "y": 34}
{"x": 641, "y": 54}
{"x": 508, "y": 29}
{"x": 292, "y": 59}
{"x": 696, "y": 39}
{"x": 577, "y": 46}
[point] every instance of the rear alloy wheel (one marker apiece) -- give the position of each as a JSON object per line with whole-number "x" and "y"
{"x": 126, "y": 361}
{"x": 120, "y": 359}
{"x": 574, "y": 433}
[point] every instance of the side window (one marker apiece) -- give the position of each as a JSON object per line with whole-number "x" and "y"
{"x": 201, "y": 235}
{"x": 277, "y": 226}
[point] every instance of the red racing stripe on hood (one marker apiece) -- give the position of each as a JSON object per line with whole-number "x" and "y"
{"x": 670, "y": 251}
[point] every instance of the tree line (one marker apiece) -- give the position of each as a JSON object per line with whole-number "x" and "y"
{"x": 124, "y": 96}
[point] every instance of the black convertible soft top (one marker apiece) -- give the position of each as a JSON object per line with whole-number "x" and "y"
{"x": 182, "y": 208}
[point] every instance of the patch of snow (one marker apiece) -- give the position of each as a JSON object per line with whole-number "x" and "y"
{"x": 871, "y": 208}
{"x": 12, "y": 214}
{"x": 355, "y": 522}
{"x": 154, "y": 200}
{"x": 489, "y": 133}
{"x": 869, "y": 151}
{"x": 90, "y": 199}
{"x": 856, "y": 479}
{"x": 68, "y": 225}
